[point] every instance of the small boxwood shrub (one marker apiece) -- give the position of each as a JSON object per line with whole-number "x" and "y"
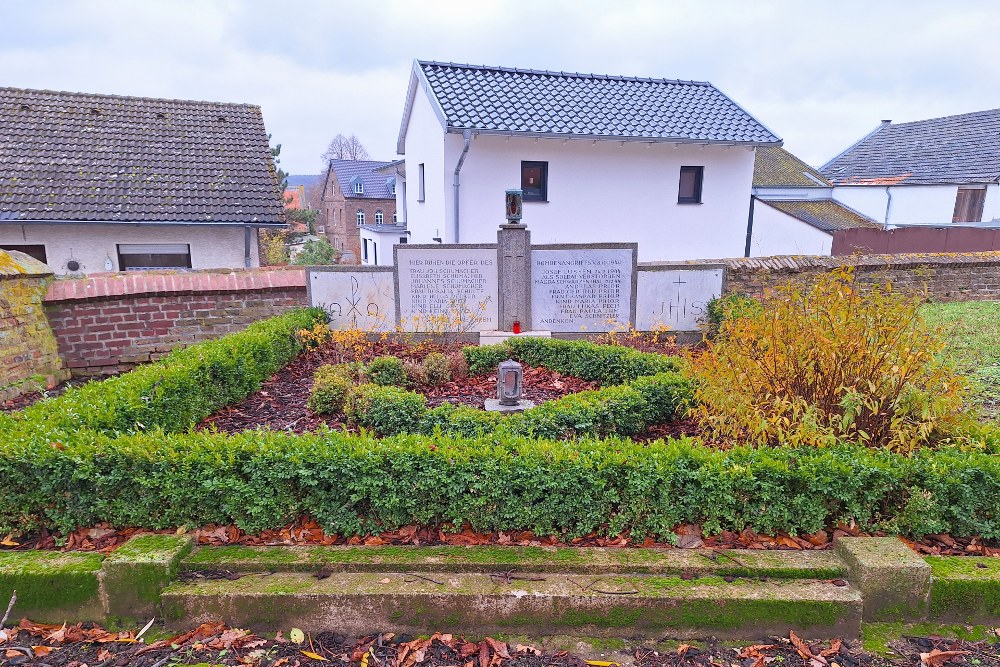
{"x": 385, "y": 410}
{"x": 606, "y": 364}
{"x": 331, "y": 384}
{"x": 437, "y": 369}
{"x": 386, "y": 371}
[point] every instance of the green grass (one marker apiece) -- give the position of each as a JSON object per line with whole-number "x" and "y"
{"x": 972, "y": 331}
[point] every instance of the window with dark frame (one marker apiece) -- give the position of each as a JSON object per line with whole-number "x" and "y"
{"x": 136, "y": 256}
{"x": 364, "y": 249}
{"x": 535, "y": 180}
{"x": 420, "y": 182}
{"x": 32, "y": 250}
{"x": 969, "y": 205}
{"x": 689, "y": 188}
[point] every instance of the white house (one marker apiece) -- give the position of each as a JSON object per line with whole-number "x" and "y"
{"x": 939, "y": 171}
{"x": 92, "y": 183}
{"x": 668, "y": 164}
{"x": 793, "y": 211}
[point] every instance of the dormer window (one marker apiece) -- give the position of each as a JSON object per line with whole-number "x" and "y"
{"x": 357, "y": 185}
{"x": 390, "y": 185}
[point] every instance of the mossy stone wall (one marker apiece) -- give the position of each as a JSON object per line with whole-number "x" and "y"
{"x": 29, "y": 357}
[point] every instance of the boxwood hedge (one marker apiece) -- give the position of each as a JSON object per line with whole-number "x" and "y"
{"x": 116, "y": 452}
{"x": 355, "y": 484}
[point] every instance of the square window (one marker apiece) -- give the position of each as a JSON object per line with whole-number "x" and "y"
{"x": 535, "y": 181}
{"x": 32, "y": 250}
{"x": 689, "y": 189}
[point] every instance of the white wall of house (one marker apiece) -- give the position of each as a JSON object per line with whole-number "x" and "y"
{"x": 912, "y": 204}
{"x": 600, "y": 191}
{"x": 91, "y": 244}
{"x": 379, "y": 246}
{"x": 425, "y": 145}
{"x": 777, "y": 233}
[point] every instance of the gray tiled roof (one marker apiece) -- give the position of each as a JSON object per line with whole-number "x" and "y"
{"x": 824, "y": 214}
{"x": 375, "y": 186}
{"x": 954, "y": 149}
{"x": 508, "y": 100}
{"x": 85, "y": 157}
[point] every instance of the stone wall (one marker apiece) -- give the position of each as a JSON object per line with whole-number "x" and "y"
{"x": 108, "y": 323}
{"x": 946, "y": 276}
{"x": 28, "y": 357}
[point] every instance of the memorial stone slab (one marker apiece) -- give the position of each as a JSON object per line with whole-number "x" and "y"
{"x": 675, "y": 298}
{"x": 455, "y": 281}
{"x": 354, "y": 297}
{"x": 583, "y": 288}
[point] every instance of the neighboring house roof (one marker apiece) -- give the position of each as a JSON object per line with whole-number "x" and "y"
{"x": 376, "y": 185}
{"x": 775, "y": 167}
{"x": 824, "y": 214}
{"x": 504, "y": 100}
{"x": 293, "y": 197}
{"x": 85, "y": 157}
{"x": 954, "y": 149}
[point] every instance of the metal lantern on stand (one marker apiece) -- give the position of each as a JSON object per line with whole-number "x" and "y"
{"x": 510, "y": 378}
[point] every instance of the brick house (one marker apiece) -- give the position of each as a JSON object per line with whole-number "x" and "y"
{"x": 94, "y": 183}
{"x": 355, "y": 194}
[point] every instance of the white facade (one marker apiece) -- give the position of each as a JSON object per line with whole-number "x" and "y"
{"x": 912, "y": 204}
{"x": 777, "y": 233}
{"x": 598, "y": 191}
{"x": 376, "y": 245}
{"x": 95, "y": 245}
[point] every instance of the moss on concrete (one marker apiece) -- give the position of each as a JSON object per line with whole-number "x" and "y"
{"x": 782, "y": 565}
{"x": 965, "y": 589}
{"x": 893, "y": 579}
{"x": 52, "y": 586}
{"x": 876, "y": 637}
{"x": 136, "y": 572}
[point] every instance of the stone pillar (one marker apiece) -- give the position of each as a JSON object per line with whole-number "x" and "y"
{"x": 514, "y": 276}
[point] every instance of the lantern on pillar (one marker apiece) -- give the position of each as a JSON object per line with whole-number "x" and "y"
{"x": 514, "y": 201}
{"x": 509, "y": 379}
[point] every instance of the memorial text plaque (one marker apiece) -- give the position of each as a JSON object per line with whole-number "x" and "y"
{"x": 457, "y": 283}
{"x": 582, "y": 289}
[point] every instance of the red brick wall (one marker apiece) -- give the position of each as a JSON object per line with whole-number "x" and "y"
{"x": 106, "y": 324}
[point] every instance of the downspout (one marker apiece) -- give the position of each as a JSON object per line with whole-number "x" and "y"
{"x": 246, "y": 247}
{"x": 467, "y": 136}
{"x": 746, "y": 250}
{"x": 888, "y": 204}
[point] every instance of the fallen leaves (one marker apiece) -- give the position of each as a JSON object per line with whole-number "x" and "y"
{"x": 936, "y": 658}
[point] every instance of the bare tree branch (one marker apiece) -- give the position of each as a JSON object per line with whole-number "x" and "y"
{"x": 345, "y": 148}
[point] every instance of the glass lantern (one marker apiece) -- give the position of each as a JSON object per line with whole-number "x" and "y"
{"x": 510, "y": 377}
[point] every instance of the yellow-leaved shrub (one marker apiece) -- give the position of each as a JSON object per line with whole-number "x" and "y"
{"x": 828, "y": 362}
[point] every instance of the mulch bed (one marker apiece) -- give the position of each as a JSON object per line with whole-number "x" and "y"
{"x": 306, "y": 532}
{"x": 280, "y": 404}
{"x": 214, "y": 643}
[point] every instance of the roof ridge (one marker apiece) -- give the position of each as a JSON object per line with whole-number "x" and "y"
{"x": 575, "y": 75}
{"x": 110, "y": 96}
{"x": 940, "y": 118}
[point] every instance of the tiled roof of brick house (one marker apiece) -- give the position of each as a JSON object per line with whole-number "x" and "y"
{"x": 505, "y": 100}
{"x": 375, "y": 185}
{"x": 86, "y": 157}
{"x": 950, "y": 150}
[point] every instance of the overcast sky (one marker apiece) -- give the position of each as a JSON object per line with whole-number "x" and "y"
{"x": 820, "y": 75}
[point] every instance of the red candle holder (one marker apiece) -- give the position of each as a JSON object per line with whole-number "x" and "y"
{"x": 517, "y": 326}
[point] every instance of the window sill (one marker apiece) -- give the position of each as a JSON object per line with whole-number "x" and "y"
{"x": 689, "y": 203}
{"x": 535, "y": 201}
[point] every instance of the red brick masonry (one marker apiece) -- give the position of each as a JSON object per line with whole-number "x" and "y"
{"x": 108, "y": 323}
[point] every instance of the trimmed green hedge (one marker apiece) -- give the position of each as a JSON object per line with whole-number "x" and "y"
{"x": 607, "y": 364}
{"x": 618, "y": 410}
{"x": 183, "y": 388}
{"x": 358, "y": 484}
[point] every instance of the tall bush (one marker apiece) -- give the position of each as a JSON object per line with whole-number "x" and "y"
{"x": 826, "y": 362}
